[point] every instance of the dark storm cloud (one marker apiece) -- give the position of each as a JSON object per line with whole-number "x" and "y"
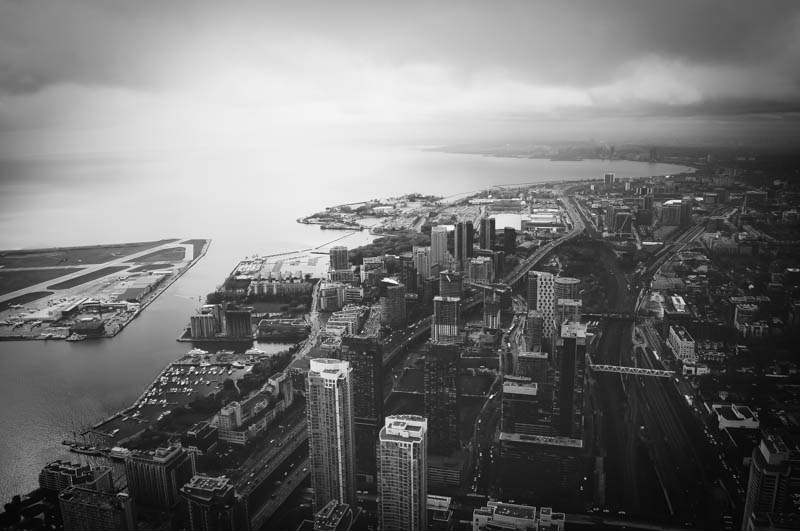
{"x": 183, "y": 66}
{"x": 575, "y": 43}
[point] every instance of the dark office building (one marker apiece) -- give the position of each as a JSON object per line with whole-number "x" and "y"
{"x": 451, "y": 284}
{"x": 486, "y": 238}
{"x": 542, "y": 470}
{"x": 84, "y": 509}
{"x": 464, "y": 241}
{"x": 525, "y": 407}
{"x": 408, "y": 273}
{"x": 442, "y": 397}
{"x": 509, "y": 240}
{"x": 212, "y": 504}
{"x": 570, "y": 363}
{"x": 365, "y": 356}
{"x": 154, "y": 477}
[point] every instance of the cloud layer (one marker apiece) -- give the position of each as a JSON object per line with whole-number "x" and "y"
{"x": 198, "y": 72}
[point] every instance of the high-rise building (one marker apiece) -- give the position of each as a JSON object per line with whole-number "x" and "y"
{"x": 439, "y": 252}
{"x": 403, "y": 489}
{"x": 772, "y": 469}
{"x": 608, "y": 179}
{"x": 566, "y": 288}
{"x": 422, "y": 260}
{"x": 480, "y": 269}
{"x": 85, "y": 509}
{"x": 538, "y": 467}
{"x": 442, "y": 397}
{"x": 524, "y": 409}
{"x": 534, "y": 365}
{"x": 541, "y": 297}
{"x": 238, "y": 322}
{"x": 407, "y": 272}
{"x": 568, "y": 310}
{"x": 487, "y": 233}
{"x": 570, "y": 365}
{"x": 446, "y": 324}
{"x": 534, "y": 328}
{"x": 58, "y": 475}
{"x": 339, "y": 258}
{"x": 491, "y": 309}
{"x": 329, "y": 409}
{"x": 464, "y": 241}
{"x": 154, "y": 477}
{"x": 212, "y": 504}
{"x": 509, "y": 240}
{"x": 451, "y": 284}
{"x": 365, "y": 356}
{"x": 393, "y": 306}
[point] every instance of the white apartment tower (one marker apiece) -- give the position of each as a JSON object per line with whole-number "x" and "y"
{"x": 541, "y": 297}
{"x": 331, "y": 439}
{"x": 402, "y": 473}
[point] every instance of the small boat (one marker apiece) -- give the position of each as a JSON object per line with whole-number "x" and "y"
{"x": 87, "y": 450}
{"x": 237, "y": 365}
{"x": 76, "y": 337}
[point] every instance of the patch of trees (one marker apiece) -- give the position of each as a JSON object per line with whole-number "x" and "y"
{"x": 390, "y": 244}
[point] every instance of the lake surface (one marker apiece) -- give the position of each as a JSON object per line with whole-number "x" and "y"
{"x": 246, "y": 202}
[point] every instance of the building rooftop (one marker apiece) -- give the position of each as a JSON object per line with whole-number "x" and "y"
{"x": 515, "y": 511}
{"x": 330, "y": 517}
{"x": 84, "y": 496}
{"x": 541, "y": 439}
{"x": 681, "y": 332}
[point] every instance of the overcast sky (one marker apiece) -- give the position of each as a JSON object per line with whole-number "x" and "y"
{"x": 86, "y": 75}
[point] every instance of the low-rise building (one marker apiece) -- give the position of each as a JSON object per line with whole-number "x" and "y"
{"x": 512, "y": 517}
{"x": 735, "y": 416}
{"x": 681, "y": 343}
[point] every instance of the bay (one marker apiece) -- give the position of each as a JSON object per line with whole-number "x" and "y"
{"x": 246, "y": 201}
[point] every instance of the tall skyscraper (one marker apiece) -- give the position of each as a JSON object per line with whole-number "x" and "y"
{"x": 525, "y": 408}
{"x": 446, "y": 320}
{"x": 402, "y": 451}
{"x": 541, "y": 297}
{"x": 608, "y": 180}
{"x": 339, "y": 259}
{"x": 771, "y": 473}
{"x": 442, "y": 397}
{"x": 567, "y": 288}
{"x": 365, "y": 356}
{"x": 422, "y": 260}
{"x": 534, "y": 329}
{"x": 570, "y": 366}
{"x": 154, "y": 477}
{"x": 84, "y": 509}
{"x": 212, "y": 504}
{"x": 464, "y": 241}
{"x": 331, "y": 435}
{"x": 407, "y": 272}
{"x": 393, "y": 306}
{"x": 439, "y": 252}
{"x": 491, "y": 309}
{"x": 509, "y": 240}
{"x": 487, "y": 233}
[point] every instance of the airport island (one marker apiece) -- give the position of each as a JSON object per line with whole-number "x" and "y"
{"x": 78, "y": 293}
{"x": 581, "y": 350}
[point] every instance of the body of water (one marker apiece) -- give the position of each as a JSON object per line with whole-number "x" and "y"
{"x": 246, "y": 202}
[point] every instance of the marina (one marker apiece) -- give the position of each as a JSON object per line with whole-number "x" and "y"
{"x": 194, "y": 376}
